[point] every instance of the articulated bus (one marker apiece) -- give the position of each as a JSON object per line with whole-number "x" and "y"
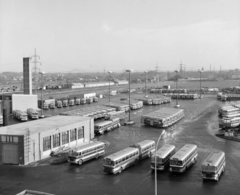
{"x": 213, "y": 166}
{"x": 183, "y": 158}
{"x": 86, "y": 152}
{"x": 117, "y": 162}
{"x": 163, "y": 156}
{"x": 146, "y": 148}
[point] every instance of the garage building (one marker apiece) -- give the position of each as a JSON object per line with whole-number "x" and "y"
{"x": 28, "y": 142}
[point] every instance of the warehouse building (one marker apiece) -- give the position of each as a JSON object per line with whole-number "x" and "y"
{"x": 28, "y": 142}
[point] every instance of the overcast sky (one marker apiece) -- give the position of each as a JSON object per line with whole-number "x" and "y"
{"x": 93, "y": 35}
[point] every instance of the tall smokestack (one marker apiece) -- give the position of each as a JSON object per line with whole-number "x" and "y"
{"x": 27, "y": 77}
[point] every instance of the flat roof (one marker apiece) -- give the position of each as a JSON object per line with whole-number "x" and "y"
{"x": 41, "y": 125}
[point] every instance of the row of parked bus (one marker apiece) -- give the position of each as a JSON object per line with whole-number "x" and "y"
{"x": 23, "y": 116}
{"x": 68, "y": 102}
{"x": 166, "y": 158}
{"x": 182, "y": 96}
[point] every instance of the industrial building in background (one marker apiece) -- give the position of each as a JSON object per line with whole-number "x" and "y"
{"x": 25, "y": 143}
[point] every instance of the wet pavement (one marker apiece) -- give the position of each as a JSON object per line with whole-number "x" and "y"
{"x": 197, "y": 127}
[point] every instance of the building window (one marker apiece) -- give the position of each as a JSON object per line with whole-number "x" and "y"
{"x": 65, "y": 137}
{"x": 46, "y": 143}
{"x": 9, "y": 139}
{"x": 80, "y": 132}
{"x": 73, "y": 135}
{"x": 56, "y": 140}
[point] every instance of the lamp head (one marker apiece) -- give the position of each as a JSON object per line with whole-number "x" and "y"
{"x": 129, "y": 70}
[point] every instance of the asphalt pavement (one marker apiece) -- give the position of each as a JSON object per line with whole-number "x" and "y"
{"x": 197, "y": 127}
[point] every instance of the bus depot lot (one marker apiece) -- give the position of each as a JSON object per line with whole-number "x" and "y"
{"x": 197, "y": 127}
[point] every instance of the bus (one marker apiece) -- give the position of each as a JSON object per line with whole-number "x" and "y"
{"x": 183, "y": 158}
{"x": 20, "y": 115}
{"x": 86, "y": 152}
{"x": 101, "y": 127}
{"x": 229, "y": 122}
{"x": 32, "y": 113}
{"x": 163, "y": 156}
{"x": 146, "y": 148}
{"x": 115, "y": 114}
{"x": 117, "y": 162}
{"x": 213, "y": 166}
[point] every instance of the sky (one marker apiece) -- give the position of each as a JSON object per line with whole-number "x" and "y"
{"x": 97, "y": 35}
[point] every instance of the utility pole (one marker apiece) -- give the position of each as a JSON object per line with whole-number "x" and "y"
{"x": 35, "y": 62}
{"x": 157, "y": 67}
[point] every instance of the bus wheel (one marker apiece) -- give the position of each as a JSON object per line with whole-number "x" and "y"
{"x": 194, "y": 160}
{"x": 223, "y": 170}
{"x": 149, "y": 154}
{"x": 135, "y": 162}
{"x": 97, "y": 155}
{"x": 120, "y": 170}
{"x": 80, "y": 162}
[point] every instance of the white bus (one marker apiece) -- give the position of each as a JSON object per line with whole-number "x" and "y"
{"x": 163, "y": 156}
{"x": 183, "y": 158}
{"x": 213, "y": 166}
{"x": 115, "y": 114}
{"x": 100, "y": 128}
{"x": 146, "y": 148}
{"x": 117, "y": 162}
{"x": 86, "y": 152}
{"x": 229, "y": 122}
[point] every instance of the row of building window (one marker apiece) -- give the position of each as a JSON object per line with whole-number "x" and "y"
{"x": 9, "y": 139}
{"x": 65, "y": 138}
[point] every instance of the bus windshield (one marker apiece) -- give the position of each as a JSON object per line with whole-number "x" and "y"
{"x": 109, "y": 162}
{"x": 176, "y": 162}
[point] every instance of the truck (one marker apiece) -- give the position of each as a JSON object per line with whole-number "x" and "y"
{"x": 32, "y": 113}
{"x": 95, "y": 99}
{"x": 20, "y": 115}
{"x": 52, "y": 105}
{"x": 45, "y": 105}
{"x": 59, "y": 104}
{"x": 89, "y": 100}
{"x": 82, "y": 101}
{"x": 77, "y": 101}
{"x": 71, "y": 102}
{"x": 65, "y": 103}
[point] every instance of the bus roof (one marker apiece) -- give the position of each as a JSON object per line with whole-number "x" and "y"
{"x": 213, "y": 159}
{"x": 184, "y": 152}
{"x": 103, "y": 123}
{"x": 121, "y": 153}
{"x": 144, "y": 143}
{"x": 93, "y": 144}
{"x": 165, "y": 150}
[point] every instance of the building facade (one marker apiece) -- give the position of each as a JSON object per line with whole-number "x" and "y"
{"x": 28, "y": 142}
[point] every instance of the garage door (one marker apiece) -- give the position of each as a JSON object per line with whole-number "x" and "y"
{"x": 10, "y": 153}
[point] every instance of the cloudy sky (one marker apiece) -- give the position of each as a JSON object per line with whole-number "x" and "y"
{"x": 93, "y": 35}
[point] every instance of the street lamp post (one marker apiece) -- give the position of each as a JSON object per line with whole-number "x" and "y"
{"x": 109, "y": 72}
{"x": 155, "y": 160}
{"x": 145, "y": 83}
{"x": 42, "y": 73}
{"x": 200, "y": 92}
{"x": 129, "y": 121}
{"x": 177, "y": 105}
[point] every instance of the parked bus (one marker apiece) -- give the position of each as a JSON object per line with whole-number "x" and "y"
{"x": 101, "y": 127}
{"x": 115, "y": 114}
{"x": 71, "y": 102}
{"x": 32, "y": 113}
{"x": 163, "y": 156}
{"x": 213, "y": 166}
{"x": 86, "y": 152}
{"x": 183, "y": 158}
{"x": 229, "y": 122}
{"x": 146, "y": 148}
{"x": 65, "y": 103}
{"x": 20, "y": 115}
{"x": 117, "y": 162}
